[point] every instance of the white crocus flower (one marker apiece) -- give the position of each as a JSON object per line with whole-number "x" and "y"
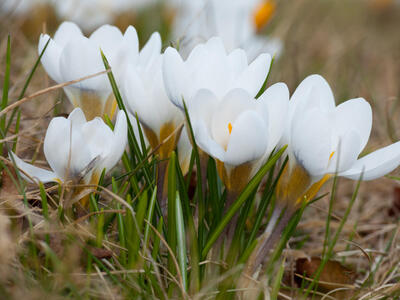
{"x": 78, "y": 150}
{"x": 235, "y": 21}
{"x": 144, "y": 94}
{"x": 92, "y": 13}
{"x": 70, "y": 56}
{"x": 325, "y": 139}
{"x": 239, "y": 132}
{"x": 210, "y": 68}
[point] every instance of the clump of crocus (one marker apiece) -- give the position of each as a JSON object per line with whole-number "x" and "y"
{"x": 144, "y": 95}
{"x": 229, "y": 124}
{"x": 77, "y": 150}
{"x": 211, "y": 74}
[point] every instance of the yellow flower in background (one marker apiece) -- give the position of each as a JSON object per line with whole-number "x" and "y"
{"x": 325, "y": 139}
{"x": 263, "y": 13}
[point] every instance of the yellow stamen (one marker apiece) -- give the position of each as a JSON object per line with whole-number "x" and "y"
{"x": 264, "y": 13}
{"x": 230, "y": 127}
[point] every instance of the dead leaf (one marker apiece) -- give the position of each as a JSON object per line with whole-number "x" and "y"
{"x": 333, "y": 275}
{"x": 100, "y": 252}
{"x": 8, "y": 187}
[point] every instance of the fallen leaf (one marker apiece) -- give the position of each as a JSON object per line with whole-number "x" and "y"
{"x": 333, "y": 275}
{"x": 100, "y": 252}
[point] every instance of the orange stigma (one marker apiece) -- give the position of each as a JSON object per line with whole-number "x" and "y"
{"x": 263, "y": 13}
{"x": 330, "y": 156}
{"x": 230, "y": 127}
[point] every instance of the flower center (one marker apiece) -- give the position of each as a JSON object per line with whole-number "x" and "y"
{"x": 263, "y": 13}
{"x": 230, "y": 127}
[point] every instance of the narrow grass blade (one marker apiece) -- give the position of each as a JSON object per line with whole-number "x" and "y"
{"x": 149, "y": 218}
{"x": 264, "y": 86}
{"x": 6, "y": 84}
{"x": 181, "y": 237}
{"x": 194, "y": 278}
{"x": 171, "y": 236}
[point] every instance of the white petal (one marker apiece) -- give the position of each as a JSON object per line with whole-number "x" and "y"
{"x": 202, "y": 106}
{"x": 276, "y": 101}
{"x": 234, "y": 103}
{"x": 210, "y": 68}
{"x": 174, "y": 75}
{"x": 248, "y": 140}
{"x": 51, "y": 57}
{"x": 216, "y": 46}
{"x": 196, "y": 56}
{"x": 99, "y": 137}
{"x": 131, "y": 43}
{"x": 135, "y": 96}
{"x": 205, "y": 142}
{"x": 237, "y": 61}
{"x": 108, "y": 38}
{"x": 375, "y": 164}
{"x": 311, "y": 142}
{"x": 65, "y": 32}
{"x": 346, "y": 151}
{"x": 254, "y": 76}
{"x": 313, "y": 91}
{"x": 80, "y": 58}
{"x": 77, "y": 117}
{"x": 66, "y": 153}
{"x": 119, "y": 142}
{"x": 355, "y": 114}
{"x": 150, "y": 50}
{"x": 38, "y": 174}
{"x": 125, "y": 53}
{"x": 144, "y": 93}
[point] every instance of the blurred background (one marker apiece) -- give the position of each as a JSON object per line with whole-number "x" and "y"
{"x": 354, "y": 44}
